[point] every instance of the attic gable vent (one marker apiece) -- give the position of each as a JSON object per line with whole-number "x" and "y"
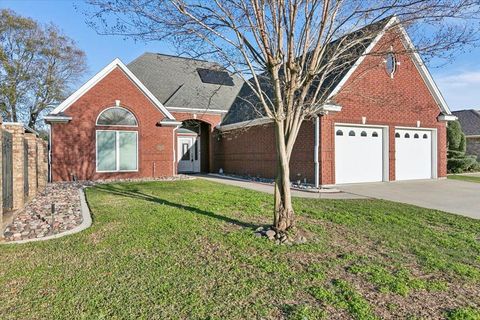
{"x": 215, "y": 77}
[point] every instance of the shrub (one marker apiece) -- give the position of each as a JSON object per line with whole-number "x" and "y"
{"x": 457, "y": 160}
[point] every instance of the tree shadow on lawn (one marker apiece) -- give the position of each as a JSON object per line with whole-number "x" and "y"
{"x": 136, "y": 194}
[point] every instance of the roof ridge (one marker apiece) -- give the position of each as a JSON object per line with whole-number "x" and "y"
{"x": 177, "y": 56}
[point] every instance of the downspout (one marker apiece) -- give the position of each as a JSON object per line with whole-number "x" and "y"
{"x": 50, "y": 153}
{"x": 175, "y": 147}
{"x": 315, "y": 151}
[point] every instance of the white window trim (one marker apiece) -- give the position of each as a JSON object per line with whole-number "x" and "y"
{"x": 117, "y": 147}
{"x": 116, "y": 125}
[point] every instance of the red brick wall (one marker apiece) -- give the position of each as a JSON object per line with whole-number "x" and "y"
{"x": 73, "y": 143}
{"x": 251, "y": 151}
{"x": 370, "y": 93}
{"x": 399, "y": 101}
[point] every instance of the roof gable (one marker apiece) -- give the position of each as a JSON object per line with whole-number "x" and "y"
{"x": 117, "y": 63}
{"x": 415, "y": 56}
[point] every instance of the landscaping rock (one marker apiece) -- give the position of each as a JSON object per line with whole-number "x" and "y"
{"x": 270, "y": 234}
{"x": 37, "y": 220}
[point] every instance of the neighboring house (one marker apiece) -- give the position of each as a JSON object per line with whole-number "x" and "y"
{"x": 470, "y": 122}
{"x": 162, "y": 115}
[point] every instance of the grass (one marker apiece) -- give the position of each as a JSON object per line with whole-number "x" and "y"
{"x": 185, "y": 250}
{"x": 464, "y": 178}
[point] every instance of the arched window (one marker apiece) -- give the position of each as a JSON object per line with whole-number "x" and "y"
{"x": 375, "y": 134}
{"x": 390, "y": 64}
{"x": 117, "y": 150}
{"x": 363, "y": 134}
{"x": 397, "y": 135}
{"x": 407, "y": 135}
{"x": 116, "y": 116}
{"x": 351, "y": 133}
{"x": 339, "y": 133}
{"x": 425, "y": 136}
{"x": 416, "y": 136}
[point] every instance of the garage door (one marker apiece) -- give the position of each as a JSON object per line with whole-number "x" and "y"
{"x": 413, "y": 154}
{"x": 358, "y": 154}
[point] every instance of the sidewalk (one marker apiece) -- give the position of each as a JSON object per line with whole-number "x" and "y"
{"x": 268, "y": 188}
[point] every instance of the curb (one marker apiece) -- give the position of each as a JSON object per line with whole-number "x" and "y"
{"x": 86, "y": 223}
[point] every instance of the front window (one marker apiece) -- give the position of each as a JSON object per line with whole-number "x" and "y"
{"x": 117, "y": 150}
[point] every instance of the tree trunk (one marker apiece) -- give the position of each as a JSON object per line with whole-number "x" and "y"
{"x": 284, "y": 217}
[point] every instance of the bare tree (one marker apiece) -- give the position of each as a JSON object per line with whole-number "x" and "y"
{"x": 37, "y": 66}
{"x": 288, "y": 51}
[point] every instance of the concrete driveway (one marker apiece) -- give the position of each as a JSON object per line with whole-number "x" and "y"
{"x": 453, "y": 196}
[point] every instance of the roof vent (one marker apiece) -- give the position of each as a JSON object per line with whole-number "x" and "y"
{"x": 215, "y": 77}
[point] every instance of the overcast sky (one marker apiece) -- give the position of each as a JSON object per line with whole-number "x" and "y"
{"x": 459, "y": 80}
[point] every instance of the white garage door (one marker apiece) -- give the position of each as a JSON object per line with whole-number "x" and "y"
{"x": 358, "y": 154}
{"x": 413, "y": 154}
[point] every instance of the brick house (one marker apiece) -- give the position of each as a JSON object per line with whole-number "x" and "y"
{"x": 470, "y": 122}
{"x": 162, "y": 115}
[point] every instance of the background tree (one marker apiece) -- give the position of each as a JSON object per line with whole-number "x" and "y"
{"x": 458, "y": 161}
{"x": 287, "y": 51}
{"x": 37, "y": 66}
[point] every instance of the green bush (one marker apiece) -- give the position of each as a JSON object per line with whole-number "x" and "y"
{"x": 457, "y": 160}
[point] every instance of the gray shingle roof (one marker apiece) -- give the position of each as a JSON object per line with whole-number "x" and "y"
{"x": 470, "y": 121}
{"x": 175, "y": 82}
{"x": 247, "y": 105}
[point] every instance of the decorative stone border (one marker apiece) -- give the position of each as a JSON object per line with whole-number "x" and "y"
{"x": 270, "y": 182}
{"x": 86, "y": 222}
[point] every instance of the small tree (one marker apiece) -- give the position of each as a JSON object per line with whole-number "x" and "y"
{"x": 37, "y": 66}
{"x": 458, "y": 161}
{"x": 288, "y": 52}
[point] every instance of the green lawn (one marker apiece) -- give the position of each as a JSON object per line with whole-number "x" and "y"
{"x": 464, "y": 178}
{"x": 185, "y": 250}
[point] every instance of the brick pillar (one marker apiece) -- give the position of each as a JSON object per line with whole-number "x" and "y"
{"x": 42, "y": 164}
{"x": 31, "y": 140}
{"x": 17, "y": 131}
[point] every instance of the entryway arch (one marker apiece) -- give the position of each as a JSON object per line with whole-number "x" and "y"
{"x": 193, "y": 146}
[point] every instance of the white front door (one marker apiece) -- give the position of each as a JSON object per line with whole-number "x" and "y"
{"x": 413, "y": 154}
{"x": 358, "y": 154}
{"x": 188, "y": 154}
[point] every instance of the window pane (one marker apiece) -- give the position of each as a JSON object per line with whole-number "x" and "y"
{"x": 127, "y": 150}
{"x": 185, "y": 152}
{"x": 117, "y": 117}
{"x": 106, "y": 155}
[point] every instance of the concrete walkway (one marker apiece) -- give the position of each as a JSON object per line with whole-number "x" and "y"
{"x": 268, "y": 188}
{"x": 454, "y": 196}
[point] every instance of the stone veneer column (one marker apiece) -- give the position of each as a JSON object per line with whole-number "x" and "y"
{"x": 31, "y": 140}
{"x": 42, "y": 164}
{"x": 17, "y": 131}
